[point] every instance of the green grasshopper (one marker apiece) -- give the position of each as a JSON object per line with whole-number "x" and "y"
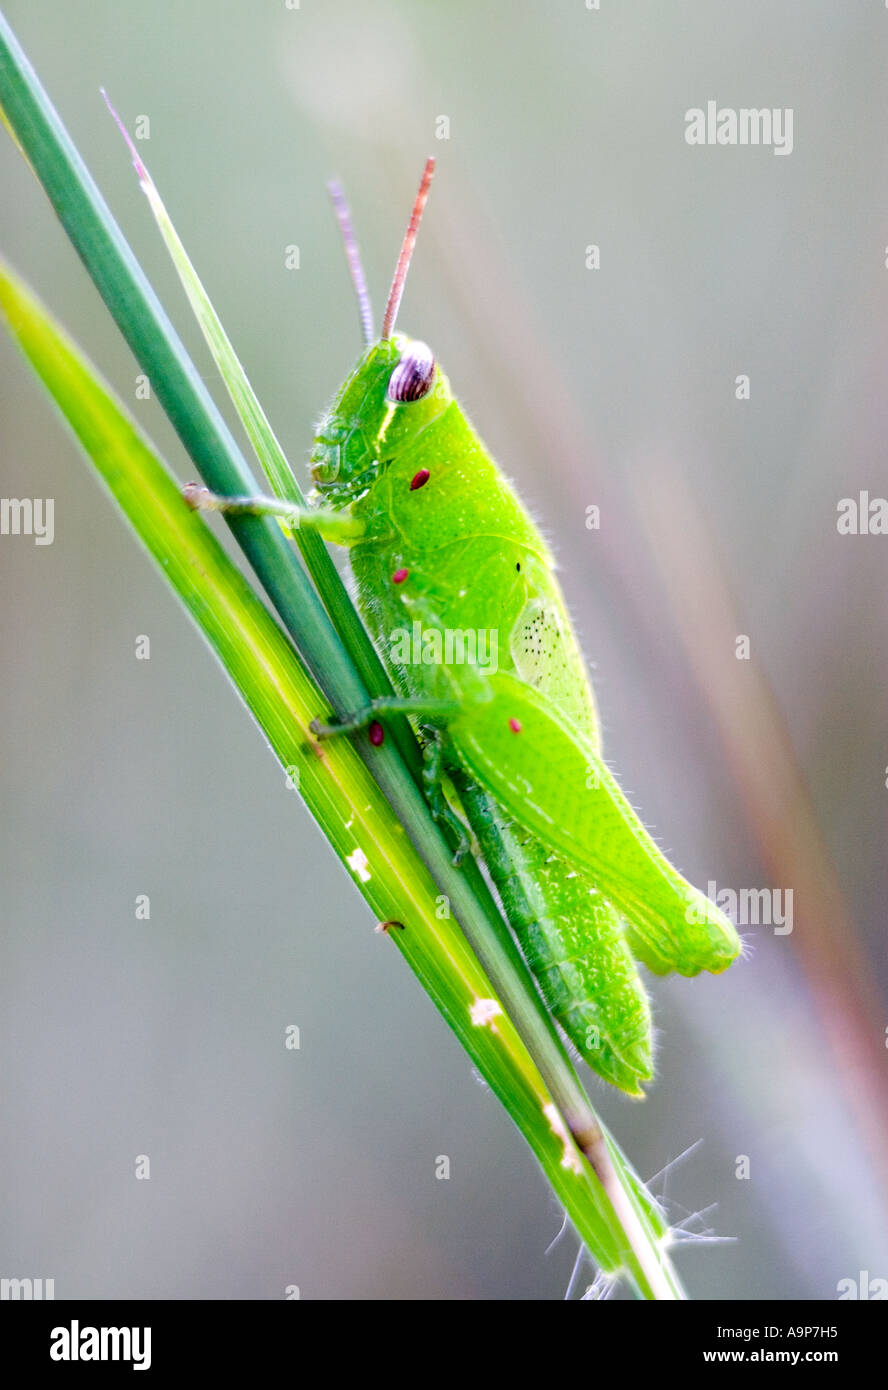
{"x": 458, "y": 591}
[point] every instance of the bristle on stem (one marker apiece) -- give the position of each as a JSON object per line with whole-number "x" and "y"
{"x": 343, "y": 216}
{"x": 397, "y": 289}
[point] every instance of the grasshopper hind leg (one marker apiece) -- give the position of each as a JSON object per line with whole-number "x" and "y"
{"x": 572, "y": 941}
{"x": 577, "y": 951}
{"x": 596, "y": 995}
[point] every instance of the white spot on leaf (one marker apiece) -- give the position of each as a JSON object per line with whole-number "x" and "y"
{"x": 358, "y": 862}
{"x": 483, "y": 1012}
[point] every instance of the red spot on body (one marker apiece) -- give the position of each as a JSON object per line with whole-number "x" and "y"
{"x": 377, "y": 733}
{"x": 515, "y": 726}
{"x": 399, "y": 576}
{"x": 420, "y": 479}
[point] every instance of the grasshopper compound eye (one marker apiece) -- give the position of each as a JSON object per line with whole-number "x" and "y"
{"x": 413, "y": 377}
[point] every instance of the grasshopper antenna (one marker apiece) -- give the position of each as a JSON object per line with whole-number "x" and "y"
{"x": 343, "y": 217}
{"x": 397, "y": 289}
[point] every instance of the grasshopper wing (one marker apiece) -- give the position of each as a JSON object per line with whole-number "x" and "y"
{"x": 552, "y": 780}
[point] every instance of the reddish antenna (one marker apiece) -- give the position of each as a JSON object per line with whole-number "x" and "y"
{"x": 397, "y": 289}
{"x": 343, "y": 216}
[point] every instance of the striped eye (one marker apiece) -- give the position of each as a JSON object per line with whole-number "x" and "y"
{"x": 412, "y": 378}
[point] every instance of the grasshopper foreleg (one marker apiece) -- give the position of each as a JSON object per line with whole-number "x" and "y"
{"x": 339, "y": 527}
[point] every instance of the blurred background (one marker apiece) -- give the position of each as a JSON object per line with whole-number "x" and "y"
{"x": 613, "y": 388}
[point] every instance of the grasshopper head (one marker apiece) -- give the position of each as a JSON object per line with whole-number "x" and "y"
{"x": 395, "y": 390}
